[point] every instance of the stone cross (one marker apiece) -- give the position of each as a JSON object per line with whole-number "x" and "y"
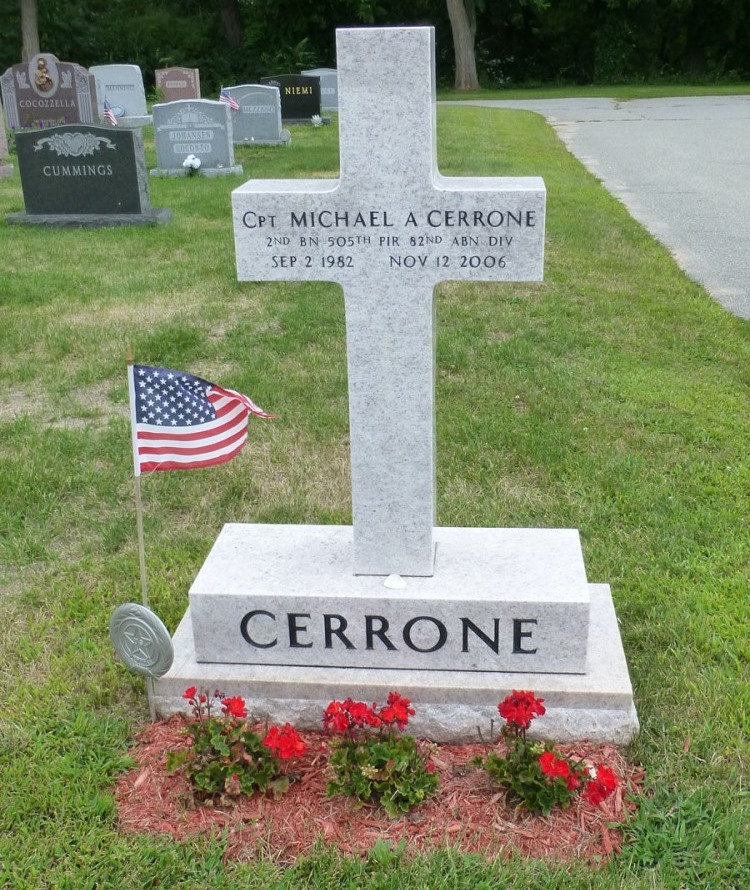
{"x": 388, "y": 230}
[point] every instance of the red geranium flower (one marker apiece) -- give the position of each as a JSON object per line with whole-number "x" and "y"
{"x": 361, "y": 714}
{"x": 397, "y": 710}
{"x": 335, "y": 717}
{"x": 189, "y": 693}
{"x": 285, "y": 743}
{"x": 234, "y": 706}
{"x": 520, "y": 708}
{"x": 601, "y": 784}
{"x": 343, "y": 715}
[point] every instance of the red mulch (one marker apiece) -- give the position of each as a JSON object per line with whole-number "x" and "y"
{"x": 467, "y": 813}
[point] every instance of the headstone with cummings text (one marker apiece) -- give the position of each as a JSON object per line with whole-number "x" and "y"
{"x": 82, "y": 175}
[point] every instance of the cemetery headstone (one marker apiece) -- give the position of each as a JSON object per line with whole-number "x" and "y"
{"x": 299, "y": 94}
{"x": 45, "y": 92}
{"x": 258, "y": 118}
{"x": 329, "y": 87}
{"x": 199, "y": 127}
{"x": 122, "y": 86}
{"x": 178, "y": 83}
{"x": 6, "y": 169}
{"x": 83, "y": 175}
{"x": 451, "y": 617}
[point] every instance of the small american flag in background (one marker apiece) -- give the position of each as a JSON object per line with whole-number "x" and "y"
{"x": 182, "y": 422}
{"x": 109, "y": 113}
{"x": 228, "y": 100}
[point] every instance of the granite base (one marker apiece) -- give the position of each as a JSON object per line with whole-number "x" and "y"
{"x": 154, "y": 217}
{"x": 204, "y": 171}
{"x": 6, "y": 170}
{"x": 132, "y": 123}
{"x": 597, "y": 705}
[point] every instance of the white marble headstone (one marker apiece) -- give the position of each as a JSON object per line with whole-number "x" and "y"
{"x": 122, "y": 87}
{"x": 294, "y": 616}
{"x": 388, "y": 230}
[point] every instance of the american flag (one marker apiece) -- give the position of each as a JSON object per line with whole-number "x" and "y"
{"x": 182, "y": 422}
{"x": 109, "y": 113}
{"x": 228, "y": 100}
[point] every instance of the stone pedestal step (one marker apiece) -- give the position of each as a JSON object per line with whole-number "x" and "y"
{"x": 597, "y": 705}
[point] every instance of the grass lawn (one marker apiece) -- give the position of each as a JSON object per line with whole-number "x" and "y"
{"x": 612, "y": 397}
{"x": 621, "y": 92}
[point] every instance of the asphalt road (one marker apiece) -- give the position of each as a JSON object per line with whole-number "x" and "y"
{"x": 680, "y": 166}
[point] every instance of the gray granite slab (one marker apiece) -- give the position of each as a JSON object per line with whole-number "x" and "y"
{"x": 388, "y": 230}
{"x": 5, "y": 168}
{"x": 199, "y": 127}
{"x": 83, "y": 171}
{"x": 499, "y": 600}
{"x": 122, "y": 86}
{"x": 597, "y": 705}
{"x": 329, "y": 87}
{"x": 258, "y": 118}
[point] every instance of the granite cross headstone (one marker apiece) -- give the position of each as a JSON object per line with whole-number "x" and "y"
{"x": 275, "y": 612}
{"x": 388, "y": 230}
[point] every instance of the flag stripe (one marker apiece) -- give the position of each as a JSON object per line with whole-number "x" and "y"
{"x": 161, "y": 447}
{"x": 179, "y": 464}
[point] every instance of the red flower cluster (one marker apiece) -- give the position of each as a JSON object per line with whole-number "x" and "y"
{"x": 520, "y": 708}
{"x": 191, "y": 694}
{"x": 234, "y": 706}
{"x": 285, "y": 742}
{"x": 341, "y": 716}
{"x": 397, "y": 710}
{"x": 601, "y": 784}
{"x": 555, "y": 767}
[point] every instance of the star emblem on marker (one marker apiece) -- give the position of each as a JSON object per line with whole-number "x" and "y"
{"x": 140, "y": 643}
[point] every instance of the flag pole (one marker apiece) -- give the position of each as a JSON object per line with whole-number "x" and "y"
{"x": 139, "y": 519}
{"x": 138, "y": 502}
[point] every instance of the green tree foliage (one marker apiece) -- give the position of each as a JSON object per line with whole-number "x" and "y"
{"x": 517, "y": 41}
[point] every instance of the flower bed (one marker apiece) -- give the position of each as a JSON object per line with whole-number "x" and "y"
{"x": 467, "y": 811}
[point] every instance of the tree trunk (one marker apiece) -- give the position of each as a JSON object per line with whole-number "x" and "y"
{"x": 29, "y": 30}
{"x": 231, "y": 22}
{"x": 464, "y": 27}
